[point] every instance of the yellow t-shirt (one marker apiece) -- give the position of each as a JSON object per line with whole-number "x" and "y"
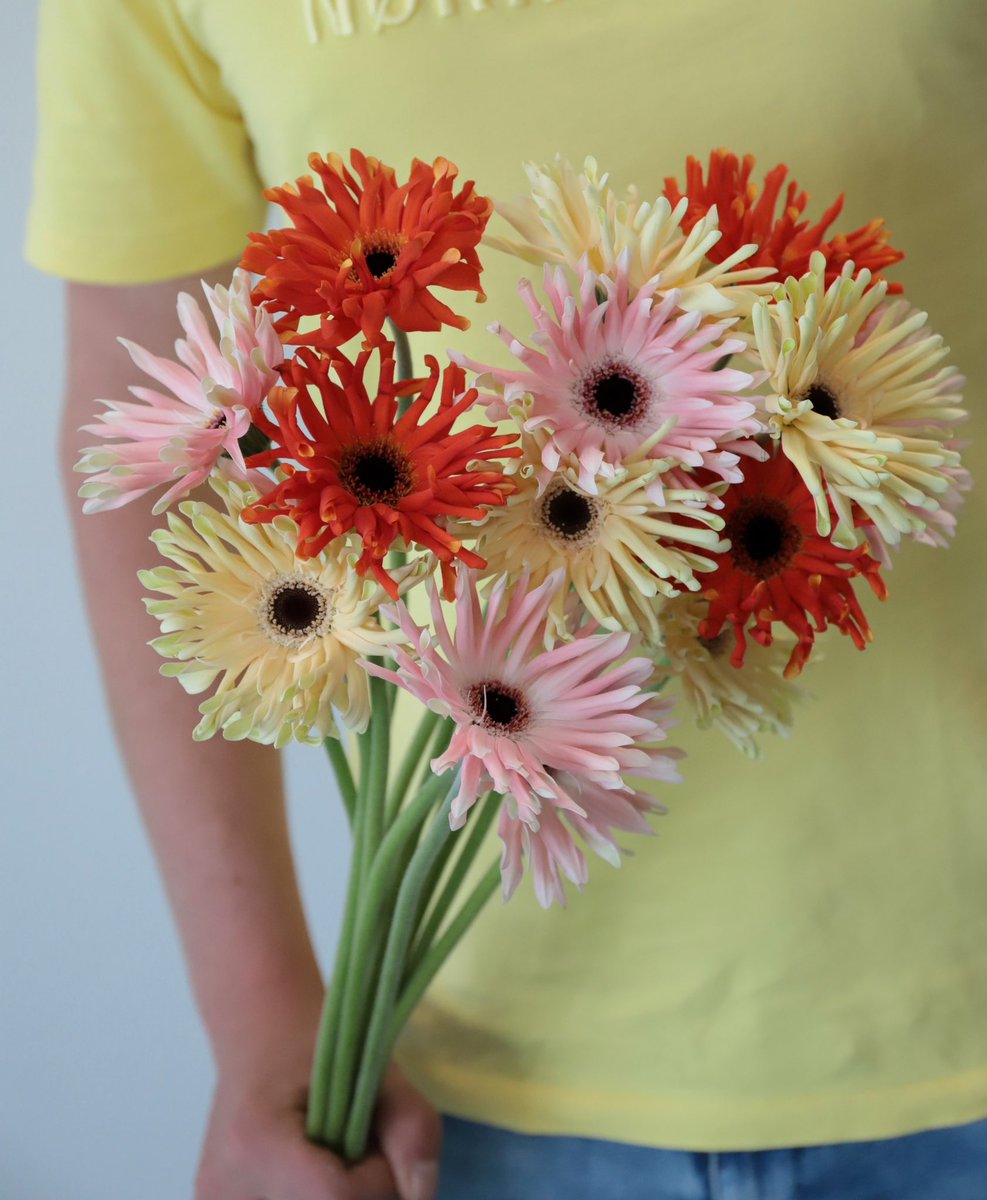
{"x": 800, "y": 956}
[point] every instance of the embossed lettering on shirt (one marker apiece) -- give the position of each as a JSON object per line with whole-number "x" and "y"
{"x": 343, "y": 17}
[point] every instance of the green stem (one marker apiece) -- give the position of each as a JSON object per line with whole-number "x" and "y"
{"x": 426, "y": 970}
{"x": 374, "y": 907}
{"x": 377, "y": 1046}
{"x": 322, "y": 1064}
{"x": 402, "y": 352}
{"x": 468, "y": 851}
{"x": 344, "y": 775}
{"x": 337, "y": 1011}
{"x": 405, "y": 369}
{"x": 433, "y": 786}
{"x": 443, "y": 736}
{"x": 409, "y": 764}
{"x": 380, "y": 751}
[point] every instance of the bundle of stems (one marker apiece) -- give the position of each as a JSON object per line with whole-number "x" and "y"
{"x": 399, "y": 925}
{"x": 401, "y": 919}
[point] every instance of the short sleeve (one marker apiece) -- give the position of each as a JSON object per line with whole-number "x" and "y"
{"x": 143, "y": 166}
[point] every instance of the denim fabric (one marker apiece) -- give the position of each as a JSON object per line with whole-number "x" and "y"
{"x": 481, "y": 1162}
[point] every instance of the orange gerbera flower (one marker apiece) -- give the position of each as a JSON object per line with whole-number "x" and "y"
{"x": 779, "y": 569}
{"x": 749, "y": 214}
{"x": 366, "y": 249}
{"x": 357, "y": 466}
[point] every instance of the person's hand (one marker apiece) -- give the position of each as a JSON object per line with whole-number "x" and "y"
{"x": 256, "y": 1148}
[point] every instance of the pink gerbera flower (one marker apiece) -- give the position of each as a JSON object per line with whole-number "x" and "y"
{"x": 215, "y": 388}
{"x": 552, "y": 730}
{"x": 614, "y": 374}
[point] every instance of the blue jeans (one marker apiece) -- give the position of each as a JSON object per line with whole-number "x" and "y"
{"x": 481, "y": 1162}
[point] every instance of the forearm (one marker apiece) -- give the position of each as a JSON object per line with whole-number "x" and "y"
{"x": 214, "y": 810}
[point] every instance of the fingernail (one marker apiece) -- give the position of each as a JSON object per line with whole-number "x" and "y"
{"x": 424, "y": 1181}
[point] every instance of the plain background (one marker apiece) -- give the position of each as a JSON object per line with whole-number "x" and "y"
{"x": 105, "y": 1075}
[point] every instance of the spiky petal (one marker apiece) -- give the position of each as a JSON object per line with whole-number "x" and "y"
{"x": 531, "y": 720}
{"x": 785, "y": 241}
{"x": 570, "y": 217}
{"x": 780, "y": 570}
{"x": 215, "y": 390}
{"x": 365, "y": 248}
{"x": 742, "y": 702}
{"x": 351, "y": 463}
{"x": 280, "y": 639}
{"x": 861, "y": 399}
{"x": 616, "y": 375}
{"x": 631, "y": 538}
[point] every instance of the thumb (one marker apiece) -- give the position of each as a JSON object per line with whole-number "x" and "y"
{"x": 410, "y": 1134}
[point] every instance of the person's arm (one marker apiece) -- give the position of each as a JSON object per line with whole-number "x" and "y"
{"x": 215, "y": 815}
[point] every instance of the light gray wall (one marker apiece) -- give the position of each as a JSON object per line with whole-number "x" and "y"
{"x": 105, "y": 1076}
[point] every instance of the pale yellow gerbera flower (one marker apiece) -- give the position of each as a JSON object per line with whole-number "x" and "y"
{"x": 620, "y": 545}
{"x": 742, "y": 702}
{"x": 280, "y": 635}
{"x": 570, "y": 216}
{"x": 860, "y": 399}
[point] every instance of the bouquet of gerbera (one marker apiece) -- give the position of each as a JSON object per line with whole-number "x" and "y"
{"x": 721, "y": 424}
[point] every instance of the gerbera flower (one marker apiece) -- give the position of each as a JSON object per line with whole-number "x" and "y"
{"x": 617, "y": 545}
{"x": 862, "y": 407}
{"x": 615, "y": 373}
{"x": 368, "y": 248}
{"x": 779, "y": 569}
{"x": 742, "y": 703}
{"x": 281, "y": 637}
{"x": 569, "y": 218}
{"x": 784, "y": 242}
{"x": 216, "y": 389}
{"x": 551, "y": 730}
{"x": 360, "y": 467}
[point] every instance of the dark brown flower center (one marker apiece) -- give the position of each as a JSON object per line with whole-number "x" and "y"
{"x": 614, "y": 395}
{"x": 568, "y": 514}
{"x": 497, "y": 706}
{"x": 218, "y": 421}
{"x": 376, "y": 472}
{"x": 294, "y": 608}
{"x": 823, "y": 401}
{"x": 763, "y": 536}
{"x": 379, "y": 262}
{"x": 381, "y": 250}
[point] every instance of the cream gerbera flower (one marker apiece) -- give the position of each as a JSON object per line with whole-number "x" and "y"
{"x": 281, "y": 636}
{"x": 619, "y": 544}
{"x": 860, "y": 399}
{"x": 742, "y": 702}
{"x": 569, "y": 217}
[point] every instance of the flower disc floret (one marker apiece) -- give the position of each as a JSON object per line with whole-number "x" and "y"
{"x": 350, "y": 463}
{"x": 615, "y": 375}
{"x": 779, "y": 569}
{"x": 216, "y": 388}
{"x": 553, "y": 730}
{"x": 365, "y": 248}
{"x": 280, "y": 639}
